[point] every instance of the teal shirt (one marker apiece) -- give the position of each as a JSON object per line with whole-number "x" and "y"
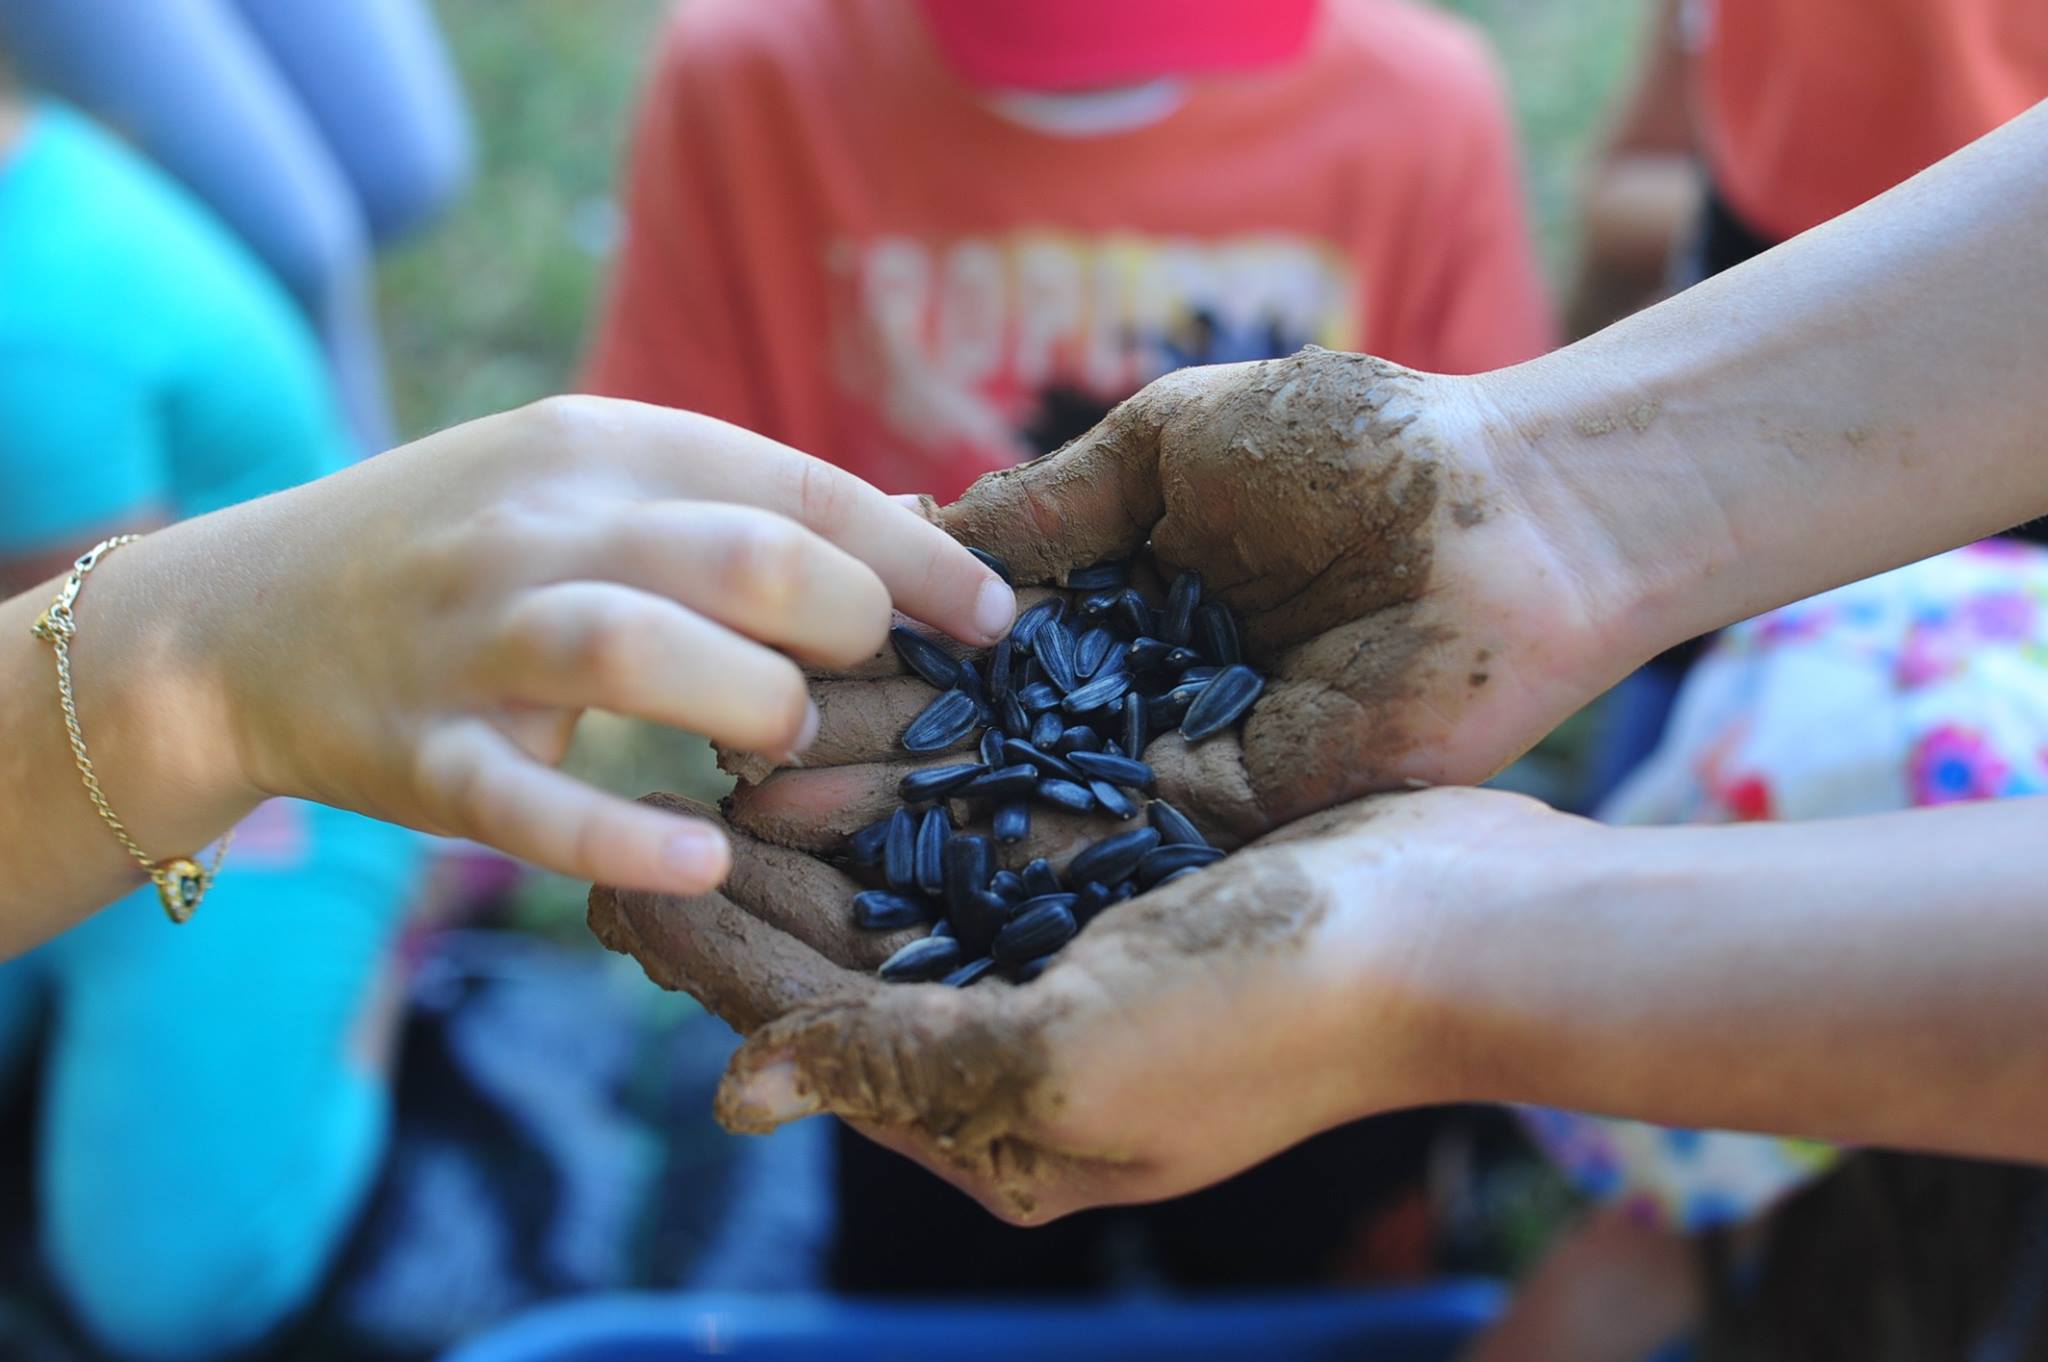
{"x": 148, "y": 363}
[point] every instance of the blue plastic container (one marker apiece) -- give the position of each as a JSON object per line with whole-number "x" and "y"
{"x": 1422, "y": 1325}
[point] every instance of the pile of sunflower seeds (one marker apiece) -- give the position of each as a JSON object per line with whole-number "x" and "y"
{"x": 1066, "y": 707}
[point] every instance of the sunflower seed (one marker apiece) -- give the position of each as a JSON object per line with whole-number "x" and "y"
{"x": 1181, "y": 599}
{"x": 1090, "y": 650}
{"x": 970, "y": 972}
{"x": 931, "y": 849}
{"x": 1040, "y": 879}
{"x": 865, "y": 846}
{"x": 1062, "y": 899}
{"x": 943, "y": 722}
{"x": 1223, "y": 700}
{"x": 938, "y": 667}
{"x": 1115, "y": 660}
{"x": 881, "y": 910}
{"x": 1149, "y": 654}
{"x": 1045, "y": 762}
{"x": 1118, "y": 804}
{"x": 1093, "y": 897}
{"x": 1100, "y": 693}
{"x": 977, "y": 920}
{"x": 1113, "y": 858}
{"x": 1163, "y": 861}
{"x": 1065, "y": 794}
{"x": 1039, "y": 931}
{"x": 1122, "y": 770}
{"x": 929, "y": 957}
{"x": 1133, "y": 613}
{"x": 1174, "y": 827}
{"x": 1014, "y": 716}
{"x": 943, "y": 927}
{"x": 995, "y": 565}
{"x": 1096, "y": 604}
{"x": 1008, "y": 885}
{"x": 1046, "y": 731}
{"x": 1031, "y": 969}
{"x": 1038, "y": 696}
{"x": 969, "y": 861}
{"x": 1028, "y": 624}
{"x": 992, "y": 748}
{"x": 934, "y": 781}
{"x": 1005, "y": 782}
{"x": 1134, "y": 724}
{"x": 1079, "y": 738}
{"x": 1012, "y": 822}
{"x": 1056, "y": 655}
{"x": 1114, "y": 748}
{"x": 899, "y": 850}
{"x": 999, "y": 671}
{"x": 1180, "y": 659}
{"x": 1107, "y": 573}
{"x": 1179, "y": 874}
{"x": 1216, "y": 634}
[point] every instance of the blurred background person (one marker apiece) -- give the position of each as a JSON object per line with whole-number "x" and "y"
{"x": 928, "y": 238}
{"x": 318, "y": 132}
{"x": 212, "y": 1106}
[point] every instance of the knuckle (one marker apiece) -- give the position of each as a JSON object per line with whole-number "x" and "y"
{"x": 613, "y": 651}
{"x": 824, "y": 496}
{"x": 566, "y": 419}
{"x": 761, "y": 564}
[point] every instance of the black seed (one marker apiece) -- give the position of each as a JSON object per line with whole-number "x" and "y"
{"x": 931, "y": 849}
{"x": 1113, "y": 858}
{"x": 943, "y": 927}
{"x": 1015, "y": 718}
{"x": 1089, "y": 652}
{"x": 970, "y": 680}
{"x": 1012, "y": 822}
{"x": 969, "y": 861}
{"x": 992, "y": 748}
{"x": 1040, "y": 879}
{"x": 977, "y": 921}
{"x": 929, "y": 957}
{"x": 865, "y": 846}
{"x": 995, "y": 565}
{"x": 1094, "y": 896}
{"x": 930, "y": 784}
{"x": 1216, "y": 634}
{"x": 1096, "y": 604}
{"x": 1134, "y": 724}
{"x": 881, "y": 910}
{"x": 970, "y": 972}
{"x": 1008, "y": 885}
{"x": 1155, "y": 624}
{"x": 1045, "y": 730}
{"x": 1122, "y": 770}
{"x": 1100, "y": 693}
{"x": 1126, "y": 891}
{"x": 1181, "y": 599}
{"x": 1133, "y": 614}
{"x": 1115, "y": 660}
{"x": 1079, "y": 738}
{"x": 1028, "y": 624}
{"x": 1205, "y": 672}
{"x": 1174, "y": 828}
{"x": 944, "y": 722}
{"x": 1005, "y": 782}
{"x": 1179, "y": 874}
{"x": 899, "y": 850}
{"x": 1166, "y": 711}
{"x": 1030, "y": 934}
{"x": 1030, "y": 969}
{"x": 1065, "y": 794}
{"x": 1107, "y": 573}
{"x": 1038, "y": 696}
{"x": 1056, "y": 655}
{"x": 1034, "y": 675}
{"x": 1046, "y": 762}
{"x": 1148, "y": 654}
{"x": 1119, "y": 804}
{"x": 999, "y": 671}
{"x": 1223, "y": 700}
{"x": 1163, "y": 861}
{"x": 926, "y": 658}
{"x": 1114, "y": 748}
{"x": 1180, "y": 659}
{"x": 1062, "y": 899}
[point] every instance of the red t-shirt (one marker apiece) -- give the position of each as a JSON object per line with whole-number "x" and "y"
{"x": 1813, "y": 106}
{"x": 832, "y": 241}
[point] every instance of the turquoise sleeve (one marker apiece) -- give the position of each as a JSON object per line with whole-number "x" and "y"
{"x": 81, "y": 450}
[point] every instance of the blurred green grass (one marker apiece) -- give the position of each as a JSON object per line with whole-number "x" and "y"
{"x": 490, "y": 308}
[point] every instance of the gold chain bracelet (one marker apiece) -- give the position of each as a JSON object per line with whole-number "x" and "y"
{"x": 181, "y": 882}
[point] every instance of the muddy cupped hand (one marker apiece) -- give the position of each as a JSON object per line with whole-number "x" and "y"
{"x": 1183, "y": 1036}
{"x": 1368, "y": 525}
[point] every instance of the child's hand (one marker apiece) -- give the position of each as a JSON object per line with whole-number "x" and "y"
{"x": 1418, "y": 622}
{"x": 1183, "y": 1036}
{"x": 431, "y": 622}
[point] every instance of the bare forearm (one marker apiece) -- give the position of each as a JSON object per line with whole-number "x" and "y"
{"x": 1859, "y": 398}
{"x": 1874, "y": 981}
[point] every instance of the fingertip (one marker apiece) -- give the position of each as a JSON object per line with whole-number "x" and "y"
{"x": 762, "y": 1092}
{"x": 995, "y": 609}
{"x": 695, "y": 858}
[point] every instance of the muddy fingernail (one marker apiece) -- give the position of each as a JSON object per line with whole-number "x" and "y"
{"x": 696, "y": 856}
{"x": 994, "y": 607}
{"x": 772, "y": 1094}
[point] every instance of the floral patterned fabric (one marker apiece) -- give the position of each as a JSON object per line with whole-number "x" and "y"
{"x": 1925, "y": 685}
